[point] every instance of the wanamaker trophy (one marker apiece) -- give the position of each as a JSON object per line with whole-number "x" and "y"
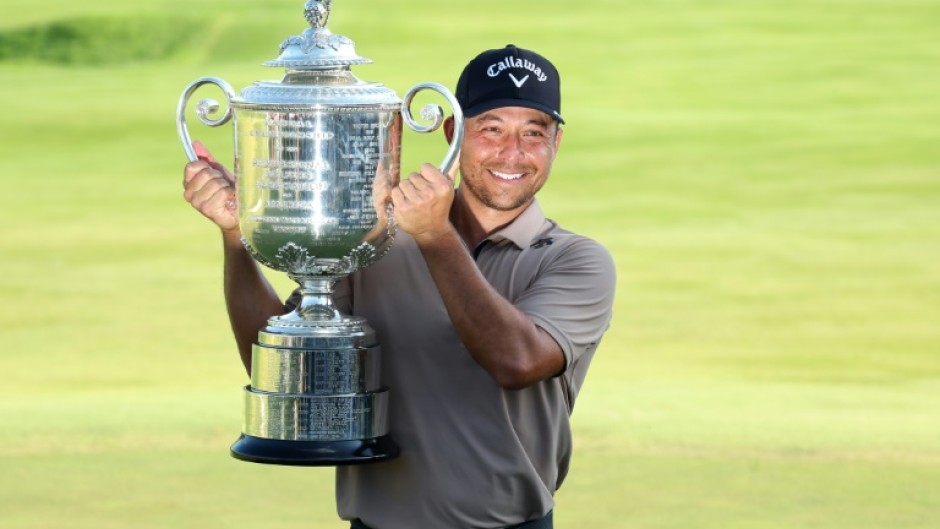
{"x": 316, "y": 156}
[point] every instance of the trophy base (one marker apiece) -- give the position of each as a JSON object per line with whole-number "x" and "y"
{"x": 314, "y": 453}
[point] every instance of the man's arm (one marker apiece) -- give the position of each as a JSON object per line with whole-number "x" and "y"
{"x": 500, "y": 337}
{"x": 249, "y": 297}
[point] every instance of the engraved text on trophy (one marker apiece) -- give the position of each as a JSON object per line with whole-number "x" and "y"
{"x": 312, "y": 175}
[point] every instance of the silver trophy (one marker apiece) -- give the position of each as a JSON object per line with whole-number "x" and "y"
{"x": 316, "y": 157}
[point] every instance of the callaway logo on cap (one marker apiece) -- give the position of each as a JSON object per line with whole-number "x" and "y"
{"x": 508, "y": 77}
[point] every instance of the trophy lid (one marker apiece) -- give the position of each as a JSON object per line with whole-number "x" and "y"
{"x": 317, "y": 48}
{"x": 318, "y": 72}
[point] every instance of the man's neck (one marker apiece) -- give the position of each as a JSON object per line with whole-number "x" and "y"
{"x": 474, "y": 221}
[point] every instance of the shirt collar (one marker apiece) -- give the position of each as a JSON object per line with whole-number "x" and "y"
{"x": 521, "y": 231}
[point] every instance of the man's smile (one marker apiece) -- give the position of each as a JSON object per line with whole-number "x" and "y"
{"x": 506, "y": 176}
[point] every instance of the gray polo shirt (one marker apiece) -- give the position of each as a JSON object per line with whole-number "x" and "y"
{"x": 474, "y": 455}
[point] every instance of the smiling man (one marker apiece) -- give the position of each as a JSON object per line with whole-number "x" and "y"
{"x": 488, "y": 314}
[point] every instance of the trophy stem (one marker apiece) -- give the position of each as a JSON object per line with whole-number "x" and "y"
{"x": 316, "y": 302}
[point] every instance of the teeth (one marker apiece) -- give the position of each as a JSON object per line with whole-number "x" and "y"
{"x": 508, "y": 176}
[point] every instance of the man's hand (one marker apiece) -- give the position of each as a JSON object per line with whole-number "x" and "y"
{"x": 210, "y": 188}
{"x": 422, "y": 202}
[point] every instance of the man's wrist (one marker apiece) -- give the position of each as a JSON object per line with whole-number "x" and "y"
{"x": 446, "y": 243}
{"x": 430, "y": 239}
{"x": 232, "y": 237}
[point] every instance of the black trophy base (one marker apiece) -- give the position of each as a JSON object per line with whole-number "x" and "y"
{"x": 314, "y": 453}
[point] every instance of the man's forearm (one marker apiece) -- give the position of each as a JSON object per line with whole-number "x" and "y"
{"x": 500, "y": 337}
{"x": 249, "y": 297}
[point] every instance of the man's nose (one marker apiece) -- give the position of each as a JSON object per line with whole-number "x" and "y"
{"x": 512, "y": 147}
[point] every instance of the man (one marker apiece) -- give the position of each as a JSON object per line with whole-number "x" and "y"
{"x": 488, "y": 315}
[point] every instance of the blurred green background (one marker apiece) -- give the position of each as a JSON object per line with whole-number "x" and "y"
{"x": 766, "y": 174}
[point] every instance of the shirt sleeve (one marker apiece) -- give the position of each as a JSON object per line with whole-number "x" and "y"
{"x": 571, "y": 297}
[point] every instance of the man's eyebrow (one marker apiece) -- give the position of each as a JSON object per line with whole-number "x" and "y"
{"x": 489, "y": 117}
{"x": 542, "y": 122}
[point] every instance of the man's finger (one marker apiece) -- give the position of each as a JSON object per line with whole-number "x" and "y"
{"x": 207, "y": 180}
{"x": 202, "y": 152}
{"x": 417, "y": 181}
{"x": 398, "y": 197}
{"x": 200, "y": 172}
{"x": 452, "y": 172}
{"x": 223, "y": 195}
{"x": 193, "y": 169}
{"x": 406, "y": 188}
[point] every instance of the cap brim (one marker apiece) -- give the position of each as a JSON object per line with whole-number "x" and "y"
{"x": 480, "y": 108}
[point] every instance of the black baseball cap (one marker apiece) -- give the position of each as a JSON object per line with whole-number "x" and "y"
{"x": 507, "y": 77}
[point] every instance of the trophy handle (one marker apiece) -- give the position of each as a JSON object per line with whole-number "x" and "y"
{"x": 204, "y": 109}
{"x": 435, "y": 115}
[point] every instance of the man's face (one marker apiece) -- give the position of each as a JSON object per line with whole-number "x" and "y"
{"x": 507, "y": 154}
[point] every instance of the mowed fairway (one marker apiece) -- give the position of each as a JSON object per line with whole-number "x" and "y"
{"x": 766, "y": 174}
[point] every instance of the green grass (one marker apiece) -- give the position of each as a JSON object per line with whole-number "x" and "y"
{"x": 767, "y": 175}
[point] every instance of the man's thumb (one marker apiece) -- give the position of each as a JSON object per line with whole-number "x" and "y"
{"x": 202, "y": 152}
{"x": 454, "y": 168}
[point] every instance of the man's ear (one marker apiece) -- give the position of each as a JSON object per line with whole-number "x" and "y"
{"x": 449, "y": 129}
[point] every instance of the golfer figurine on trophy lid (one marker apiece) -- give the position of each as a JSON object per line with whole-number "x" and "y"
{"x": 316, "y": 156}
